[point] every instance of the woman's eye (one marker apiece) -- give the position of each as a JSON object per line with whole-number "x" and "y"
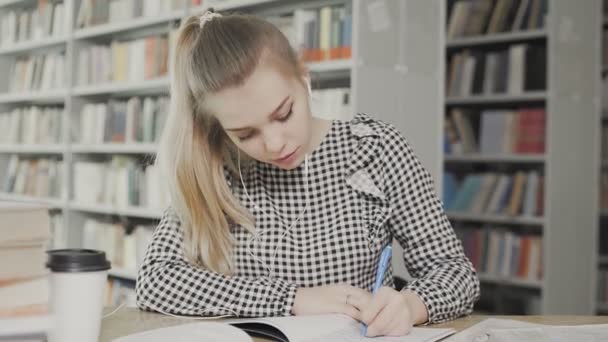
{"x": 286, "y": 116}
{"x": 245, "y": 137}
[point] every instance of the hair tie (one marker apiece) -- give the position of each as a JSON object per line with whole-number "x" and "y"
{"x": 207, "y": 16}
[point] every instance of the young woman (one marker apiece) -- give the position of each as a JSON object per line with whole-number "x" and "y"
{"x": 275, "y": 212}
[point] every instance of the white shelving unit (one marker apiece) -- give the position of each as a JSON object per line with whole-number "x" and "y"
{"x": 499, "y": 158}
{"x": 130, "y": 25}
{"x": 115, "y": 149}
{"x": 537, "y": 96}
{"x": 159, "y": 86}
{"x": 32, "y": 45}
{"x": 492, "y": 279}
{"x": 569, "y": 226}
{"x": 46, "y": 97}
{"x": 494, "y": 39}
{"x": 53, "y": 203}
{"x": 497, "y": 219}
{"x": 137, "y": 212}
{"x": 33, "y": 149}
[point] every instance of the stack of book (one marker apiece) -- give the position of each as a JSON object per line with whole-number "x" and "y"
{"x": 518, "y": 69}
{"x": 39, "y": 177}
{"x": 124, "y": 61}
{"x": 121, "y": 183}
{"x": 24, "y": 287}
{"x": 500, "y": 131}
{"x": 135, "y": 120}
{"x": 318, "y": 34}
{"x": 37, "y": 73}
{"x": 502, "y": 253}
{"x": 32, "y": 125}
{"x": 516, "y": 194}
{"x": 45, "y": 20}
{"x": 477, "y": 17}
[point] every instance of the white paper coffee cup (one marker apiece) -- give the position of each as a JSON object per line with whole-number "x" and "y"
{"x": 78, "y": 280}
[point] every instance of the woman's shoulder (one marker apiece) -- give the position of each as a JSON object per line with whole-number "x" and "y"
{"x": 365, "y": 125}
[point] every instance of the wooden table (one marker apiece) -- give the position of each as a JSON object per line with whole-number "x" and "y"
{"x": 130, "y": 320}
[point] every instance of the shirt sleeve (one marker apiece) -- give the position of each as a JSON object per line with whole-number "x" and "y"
{"x": 168, "y": 283}
{"x": 443, "y": 277}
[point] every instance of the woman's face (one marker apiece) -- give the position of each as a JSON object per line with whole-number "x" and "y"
{"x": 267, "y": 117}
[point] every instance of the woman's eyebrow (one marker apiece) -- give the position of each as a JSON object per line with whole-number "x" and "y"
{"x": 274, "y": 112}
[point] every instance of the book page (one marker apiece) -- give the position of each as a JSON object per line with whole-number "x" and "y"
{"x": 479, "y": 332}
{"x": 193, "y": 332}
{"x": 506, "y": 330}
{"x": 337, "y": 328}
{"x": 545, "y": 333}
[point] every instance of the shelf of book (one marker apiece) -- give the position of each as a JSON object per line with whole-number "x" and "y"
{"x": 53, "y": 203}
{"x": 510, "y": 281}
{"x": 122, "y": 273}
{"x": 500, "y": 219}
{"x": 499, "y": 38}
{"x": 535, "y": 96}
{"x": 129, "y": 25}
{"x": 43, "y": 97}
{"x": 518, "y": 55}
{"x": 32, "y": 148}
{"x": 133, "y": 148}
{"x": 32, "y": 45}
{"x": 497, "y": 158}
{"x": 136, "y": 212}
{"x": 159, "y": 85}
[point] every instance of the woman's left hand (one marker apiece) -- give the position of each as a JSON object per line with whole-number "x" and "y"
{"x": 388, "y": 312}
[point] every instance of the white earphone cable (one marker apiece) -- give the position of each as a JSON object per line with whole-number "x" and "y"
{"x": 257, "y": 234}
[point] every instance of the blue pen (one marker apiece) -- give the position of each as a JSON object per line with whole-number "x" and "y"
{"x": 385, "y": 257}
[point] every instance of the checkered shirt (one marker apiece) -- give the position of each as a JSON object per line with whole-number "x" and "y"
{"x": 365, "y": 188}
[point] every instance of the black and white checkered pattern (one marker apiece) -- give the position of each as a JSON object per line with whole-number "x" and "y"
{"x": 366, "y": 187}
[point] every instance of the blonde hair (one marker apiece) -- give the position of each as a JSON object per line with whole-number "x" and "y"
{"x": 194, "y": 147}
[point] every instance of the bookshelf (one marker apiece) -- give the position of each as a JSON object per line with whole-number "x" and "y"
{"x": 569, "y": 165}
{"x": 568, "y": 225}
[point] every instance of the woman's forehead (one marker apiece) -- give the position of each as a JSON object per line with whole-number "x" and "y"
{"x": 251, "y": 102}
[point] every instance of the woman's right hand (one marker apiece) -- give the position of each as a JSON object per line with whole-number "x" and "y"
{"x": 327, "y": 299}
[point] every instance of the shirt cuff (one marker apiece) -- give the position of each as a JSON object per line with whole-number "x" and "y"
{"x": 290, "y": 298}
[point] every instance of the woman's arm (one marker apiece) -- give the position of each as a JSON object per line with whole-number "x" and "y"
{"x": 168, "y": 283}
{"x": 444, "y": 279}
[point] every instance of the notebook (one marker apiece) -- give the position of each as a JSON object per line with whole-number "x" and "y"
{"x": 334, "y": 328}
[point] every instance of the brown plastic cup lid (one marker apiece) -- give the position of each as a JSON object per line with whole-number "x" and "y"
{"x": 77, "y": 260}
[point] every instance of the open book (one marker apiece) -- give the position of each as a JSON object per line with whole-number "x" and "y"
{"x": 320, "y": 328}
{"x": 507, "y": 330}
